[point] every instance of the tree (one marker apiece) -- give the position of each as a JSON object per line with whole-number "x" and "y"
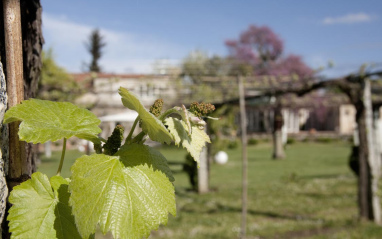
{"x": 358, "y": 91}
{"x": 31, "y": 50}
{"x": 262, "y": 50}
{"x": 257, "y": 46}
{"x": 196, "y": 68}
{"x": 357, "y": 88}
{"x": 94, "y": 46}
{"x": 55, "y": 84}
{"x": 198, "y": 65}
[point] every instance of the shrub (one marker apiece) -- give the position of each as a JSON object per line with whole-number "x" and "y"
{"x": 233, "y": 144}
{"x": 324, "y": 140}
{"x": 253, "y": 141}
{"x": 291, "y": 141}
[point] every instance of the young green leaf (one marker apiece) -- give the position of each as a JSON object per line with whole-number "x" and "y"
{"x": 129, "y": 194}
{"x": 134, "y": 153}
{"x": 44, "y": 120}
{"x": 193, "y": 141}
{"x": 40, "y": 209}
{"x": 150, "y": 124}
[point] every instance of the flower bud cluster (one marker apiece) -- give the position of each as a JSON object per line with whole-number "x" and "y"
{"x": 201, "y": 109}
{"x": 114, "y": 141}
{"x": 156, "y": 108}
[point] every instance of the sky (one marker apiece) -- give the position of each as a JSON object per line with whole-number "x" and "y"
{"x": 141, "y": 32}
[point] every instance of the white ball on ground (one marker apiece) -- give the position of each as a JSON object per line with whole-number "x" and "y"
{"x": 221, "y": 157}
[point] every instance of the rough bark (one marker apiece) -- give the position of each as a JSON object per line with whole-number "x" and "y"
{"x": 364, "y": 179}
{"x": 374, "y": 159}
{"x": 32, "y": 48}
{"x": 32, "y": 41}
{"x": 3, "y": 144}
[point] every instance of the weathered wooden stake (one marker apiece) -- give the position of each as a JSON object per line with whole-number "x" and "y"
{"x": 243, "y": 119}
{"x": 15, "y": 86}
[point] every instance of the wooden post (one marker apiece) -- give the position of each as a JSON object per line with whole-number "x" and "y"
{"x": 244, "y": 199}
{"x": 15, "y": 87}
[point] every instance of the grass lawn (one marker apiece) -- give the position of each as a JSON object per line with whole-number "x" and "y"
{"x": 310, "y": 194}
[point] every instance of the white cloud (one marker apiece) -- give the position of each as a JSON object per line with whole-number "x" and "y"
{"x": 349, "y": 19}
{"x": 124, "y": 52}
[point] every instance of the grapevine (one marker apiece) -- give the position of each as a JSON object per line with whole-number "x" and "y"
{"x": 128, "y": 177}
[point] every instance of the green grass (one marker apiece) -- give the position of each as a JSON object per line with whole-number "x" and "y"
{"x": 310, "y": 194}
{"x": 49, "y": 166}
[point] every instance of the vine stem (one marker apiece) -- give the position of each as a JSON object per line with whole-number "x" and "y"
{"x": 139, "y": 137}
{"x": 62, "y": 157}
{"x": 168, "y": 112}
{"x": 132, "y": 130}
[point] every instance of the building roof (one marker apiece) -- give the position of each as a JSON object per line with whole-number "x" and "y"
{"x": 80, "y": 77}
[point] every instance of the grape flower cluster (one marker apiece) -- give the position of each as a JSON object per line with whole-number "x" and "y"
{"x": 114, "y": 141}
{"x": 201, "y": 109}
{"x": 156, "y": 108}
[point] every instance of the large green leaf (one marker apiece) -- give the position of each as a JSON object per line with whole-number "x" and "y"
{"x": 135, "y": 153}
{"x": 193, "y": 141}
{"x": 44, "y": 120}
{"x": 129, "y": 194}
{"x": 150, "y": 124}
{"x": 41, "y": 210}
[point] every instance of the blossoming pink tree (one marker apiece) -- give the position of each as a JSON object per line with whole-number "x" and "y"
{"x": 262, "y": 50}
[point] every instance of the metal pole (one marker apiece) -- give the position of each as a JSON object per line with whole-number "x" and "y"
{"x": 15, "y": 84}
{"x": 244, "y": 199}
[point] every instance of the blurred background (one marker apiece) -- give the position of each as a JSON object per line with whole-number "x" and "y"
{"x": 312, "y": 138}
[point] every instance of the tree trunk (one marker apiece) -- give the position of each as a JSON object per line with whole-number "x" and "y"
{"x": 364, "y": 179}
{"x": 32, "y": 41}
{"x": 378, "y": 163}
{"x": 374, "y": 159}
{"x": 32, "y": 45}
{"x": 278, "y": 147}
{"x": 203, "y": 172}
{"x": 48, "y": 149}
{"x": 4, "y": 146}
{"x": 31, "y": 20}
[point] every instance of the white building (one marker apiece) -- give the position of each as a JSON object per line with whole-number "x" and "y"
{"x": 103, "y": 100}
